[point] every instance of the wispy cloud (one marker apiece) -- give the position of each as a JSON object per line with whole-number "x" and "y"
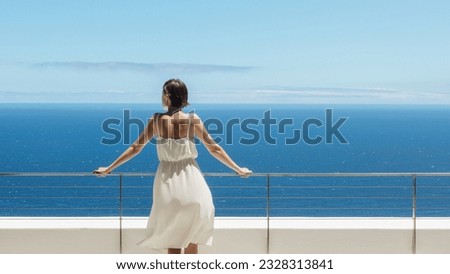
{"x": 98, "y": 96}
{"x": 266, "y": 95}
{"x": 350, "y": 95}
{"x": 143, "y": 67}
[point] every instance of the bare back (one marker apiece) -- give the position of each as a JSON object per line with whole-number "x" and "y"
{"x": 176, "y": 126}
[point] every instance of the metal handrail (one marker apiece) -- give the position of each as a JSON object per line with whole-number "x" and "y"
{"x": 258, "y": 174}
{"x": 267, "y": 185}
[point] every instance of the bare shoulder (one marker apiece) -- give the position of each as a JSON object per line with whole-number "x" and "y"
{"x": 194, "y": 115}
{"x": 157, "y": 116}
{"x": 195, "y": 118}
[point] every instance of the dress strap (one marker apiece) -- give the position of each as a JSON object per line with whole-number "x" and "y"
{"x": 155, "y": 125}
{"x": 191, "y": 131}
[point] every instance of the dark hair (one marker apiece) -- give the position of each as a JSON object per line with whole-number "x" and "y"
{"x": 177, "y": 92}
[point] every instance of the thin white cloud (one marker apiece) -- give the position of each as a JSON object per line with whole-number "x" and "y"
{"x": 143, "y": 67}
{"x": 106, "y": 96}
{"x": 267, "y": 95}
{"x": 348, "y": 92}
{"x": 112, "y": 91}
{"x": 347, "y": 95}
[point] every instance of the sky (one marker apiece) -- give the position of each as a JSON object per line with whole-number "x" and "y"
{"x": 246, "y": 51}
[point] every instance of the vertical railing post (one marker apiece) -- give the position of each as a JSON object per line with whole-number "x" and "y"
{"x": 120, "y": 211}
{"x": 414, "y": 214}
{"x": 268, "y": 216}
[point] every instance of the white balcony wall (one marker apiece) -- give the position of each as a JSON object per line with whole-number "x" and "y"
{"x": 232, "y": 235}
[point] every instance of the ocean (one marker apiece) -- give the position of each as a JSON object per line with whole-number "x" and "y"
{"x": 264, "y": 138}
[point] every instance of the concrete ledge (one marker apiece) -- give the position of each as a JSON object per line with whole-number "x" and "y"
{"x": 232, "y": 235}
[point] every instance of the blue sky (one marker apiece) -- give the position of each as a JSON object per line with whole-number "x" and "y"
{"x": 230, "y": 51}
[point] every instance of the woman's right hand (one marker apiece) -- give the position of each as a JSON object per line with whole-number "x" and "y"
{"x": 101, "y": 171}
{"x": 244, "y": 172}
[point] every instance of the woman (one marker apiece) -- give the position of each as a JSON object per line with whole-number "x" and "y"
{"x": 182, "y": 214}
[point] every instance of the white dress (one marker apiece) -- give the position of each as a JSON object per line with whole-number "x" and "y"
{"x": 183, "y": 209}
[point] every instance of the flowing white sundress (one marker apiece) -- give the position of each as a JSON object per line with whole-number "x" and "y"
{"x": 183, "y": 209}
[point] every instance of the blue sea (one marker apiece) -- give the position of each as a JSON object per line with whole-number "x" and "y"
{"x": 265, "y": 138}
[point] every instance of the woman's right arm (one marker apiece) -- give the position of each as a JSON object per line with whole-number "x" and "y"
{"x": 130, "y": 152}
{"x": 216, "y": 150}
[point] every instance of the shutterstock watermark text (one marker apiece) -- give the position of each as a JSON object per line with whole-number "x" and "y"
{"x": 246, "y": 131}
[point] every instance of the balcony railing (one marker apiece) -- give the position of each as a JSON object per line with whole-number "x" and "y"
{"x": 264, "y": 195}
